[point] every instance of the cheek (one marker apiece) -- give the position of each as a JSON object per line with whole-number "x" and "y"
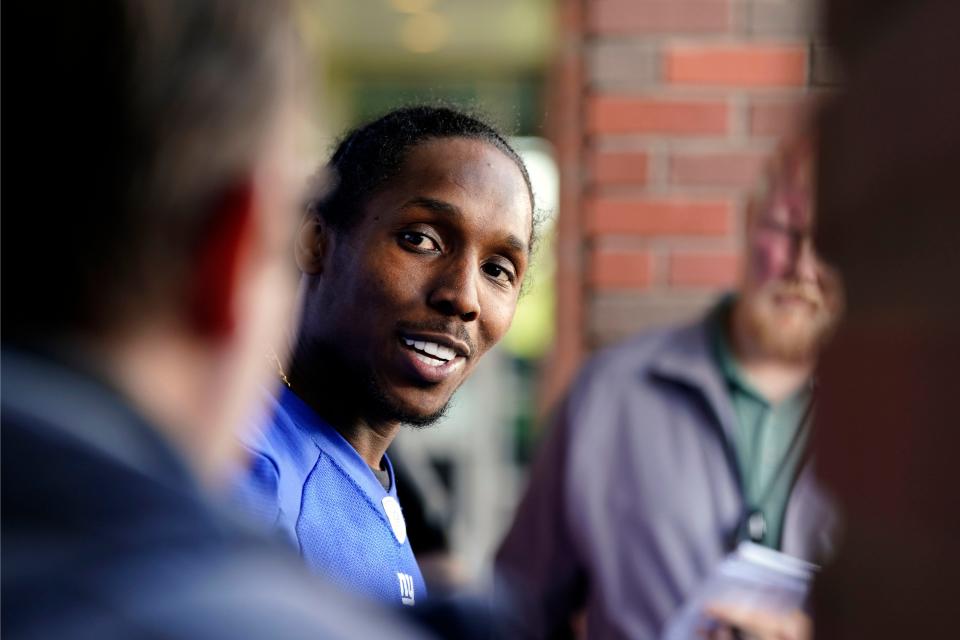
{"x": 769, "y": 258}
{"x": 355, "y": 296}
{"x": 387, "y": 286}
{"x": 497, "y": 315}
{"x": 391, "y": 279}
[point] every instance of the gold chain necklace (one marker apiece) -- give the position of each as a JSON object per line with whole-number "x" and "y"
{"x": 275, "y": 361}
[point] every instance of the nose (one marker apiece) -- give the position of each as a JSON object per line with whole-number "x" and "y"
{"x": 806, "y": 264}
{"x": 455, "y": 292}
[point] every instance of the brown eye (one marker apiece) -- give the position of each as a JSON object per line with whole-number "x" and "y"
{"x": 498, "y": 272}
{"x": 418, "y": 241}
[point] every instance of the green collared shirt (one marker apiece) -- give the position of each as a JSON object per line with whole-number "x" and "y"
{"x": 770, "y": 438}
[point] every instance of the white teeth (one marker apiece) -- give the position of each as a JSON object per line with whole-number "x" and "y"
{"x": 445, "y": 352}
{"x": 433, "y": 362}
{"x": 441, "y": 352}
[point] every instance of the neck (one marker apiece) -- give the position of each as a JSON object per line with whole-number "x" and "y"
{"x": 776, "y": 378}
{"x": 173, "y": 383}
{"x": 371, "y": 441}
{"x": 319, "y": 380}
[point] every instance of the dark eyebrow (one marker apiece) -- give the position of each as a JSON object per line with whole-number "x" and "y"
{"x": 517, "y": 244}
{"x": 437, "y": 206}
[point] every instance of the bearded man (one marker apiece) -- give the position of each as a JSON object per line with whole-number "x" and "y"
{"x": 676, "y": 446}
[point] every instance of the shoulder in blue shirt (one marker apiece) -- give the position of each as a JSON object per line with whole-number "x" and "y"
{"x": 309, "y": 483}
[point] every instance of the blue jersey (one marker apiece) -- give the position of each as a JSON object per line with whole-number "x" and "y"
{"x": 308, "y": 482}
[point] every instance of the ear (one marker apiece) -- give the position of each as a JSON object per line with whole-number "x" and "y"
{"x": 311, "y": 245}
{"x": 221, "y": 261}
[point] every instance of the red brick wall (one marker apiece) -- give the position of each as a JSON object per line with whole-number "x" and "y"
{"x": 663, "y": 112}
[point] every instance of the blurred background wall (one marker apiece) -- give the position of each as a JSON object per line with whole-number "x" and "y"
{"x": 373, "y": 55}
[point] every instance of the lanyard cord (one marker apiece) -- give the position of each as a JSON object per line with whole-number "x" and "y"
{"x": 753, "y": 524}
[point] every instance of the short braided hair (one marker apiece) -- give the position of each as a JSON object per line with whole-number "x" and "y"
{"x": 372, "y": 154}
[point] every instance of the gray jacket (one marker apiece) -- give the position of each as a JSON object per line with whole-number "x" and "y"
{"x": 636, "y": 494}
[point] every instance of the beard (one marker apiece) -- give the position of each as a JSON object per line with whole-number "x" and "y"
{"x": 346, "y": 392}
{"x": 791, "y": 321}
{"x": 379, "y": 404}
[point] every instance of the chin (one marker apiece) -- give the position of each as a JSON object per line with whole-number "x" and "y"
{"x": 798, "y": 338}
{"x": 421, "y": 417}
{"x": 793, "y": 346}
{"x": 415, "y": 408}
{"x": 789, "y": 332}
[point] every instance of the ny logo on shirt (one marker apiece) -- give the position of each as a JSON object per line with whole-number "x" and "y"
{"x": 406, "y": 588}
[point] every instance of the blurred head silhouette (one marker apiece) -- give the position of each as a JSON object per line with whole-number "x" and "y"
{"x": 790, "y": 300}
{"x": 153, "y": 198}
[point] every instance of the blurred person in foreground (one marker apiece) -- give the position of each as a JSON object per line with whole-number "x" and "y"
{"x": 675, "y": 446}
{"x": 412, "y": 266}
{"x": 888, "y": 442}
{"x": 150, "y": 202}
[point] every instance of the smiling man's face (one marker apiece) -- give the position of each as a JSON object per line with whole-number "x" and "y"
{"x": 791, "y": 300}
{"x": 427, "y": 281}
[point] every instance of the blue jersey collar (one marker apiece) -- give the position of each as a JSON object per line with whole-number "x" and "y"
{"x": 332, "y": 443}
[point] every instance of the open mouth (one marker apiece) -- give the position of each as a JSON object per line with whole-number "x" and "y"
{"x": 430, "y": 353}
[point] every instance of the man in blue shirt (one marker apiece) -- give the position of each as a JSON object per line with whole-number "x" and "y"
{"x": 412, "y": 266}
